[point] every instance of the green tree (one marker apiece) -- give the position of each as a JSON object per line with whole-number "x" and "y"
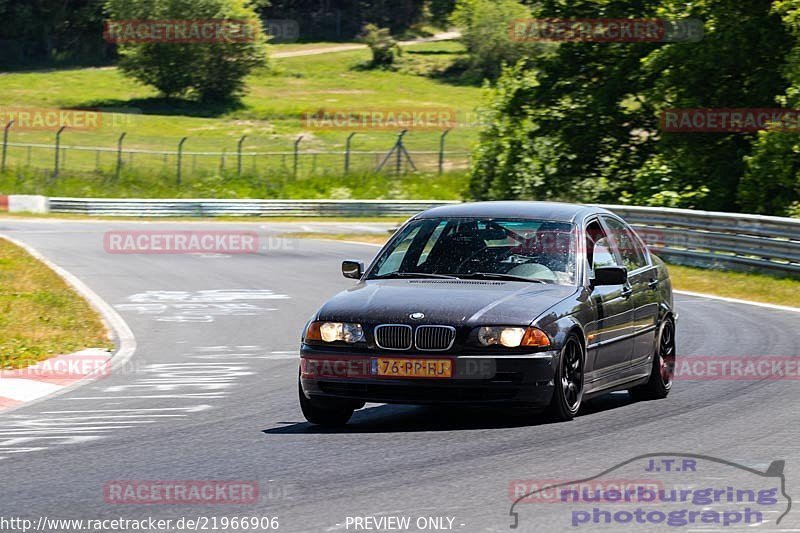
{"x": 771, "y": 182}
{"x": 568, "y": 124}
{"x": 46, "y": 32}
{"x": 582, "y": 123}
{"x": 441, "y": 10}
{"x": 344, "y": 19}
{"x": 739, "y": 63}
{"x": 212, "y": 71}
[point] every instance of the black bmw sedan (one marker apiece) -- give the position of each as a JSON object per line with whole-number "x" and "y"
{"x": 526, "y": 304}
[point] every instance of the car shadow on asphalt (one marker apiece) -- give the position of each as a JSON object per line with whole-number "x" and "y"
{"x": 409, "y": 418}
{"x": 405, "y": 418}
{"x": 607, "y": 402}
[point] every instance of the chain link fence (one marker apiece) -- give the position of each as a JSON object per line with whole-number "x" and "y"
{"x": 57, "y": 159}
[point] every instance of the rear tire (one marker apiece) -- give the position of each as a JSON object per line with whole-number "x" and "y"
{"x": 327, "y": 417}
{"x": 568, "y": 381}
{"x": 663, "y": 369}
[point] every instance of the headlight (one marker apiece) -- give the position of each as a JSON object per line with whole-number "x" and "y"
{"x": 335, "y": 331}
{"x": 513, "y": 337}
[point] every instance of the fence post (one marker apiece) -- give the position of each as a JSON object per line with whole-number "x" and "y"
{"x": 441, "y": 151}
{"x": 239, "y": 155}
{"x": 296, "y": 156}
{"x": 399, "y": 163}
{"x": 180, "y": 157}
{"x": 58, "y": 150}
{"x": 119, "y": 155}
{"x": 347, "y": 152}
{"x": 5, "y": 144}
{"x": 399, "y": 151}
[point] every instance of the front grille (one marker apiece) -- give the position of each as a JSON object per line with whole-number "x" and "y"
{"x": 393, "y": 337}
{"x": 435, "y": 338}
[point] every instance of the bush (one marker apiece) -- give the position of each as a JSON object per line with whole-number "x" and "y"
{"x": 485, "y": 32}
{"x": 385, "y": 49}
{"x": 211, "y": 71}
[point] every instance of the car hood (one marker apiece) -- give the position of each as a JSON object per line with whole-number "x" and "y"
{"x": 451, "y": 302}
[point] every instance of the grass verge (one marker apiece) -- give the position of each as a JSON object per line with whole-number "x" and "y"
{"x": 271, "y": 113}
{"x": 40, "y": 315}
{"x": 742, "y": 285}
{"x": 367, "y": 238}
{"x": 275, "y": 185}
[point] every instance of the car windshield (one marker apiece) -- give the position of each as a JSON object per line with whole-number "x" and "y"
{"x": 476, "y": 248}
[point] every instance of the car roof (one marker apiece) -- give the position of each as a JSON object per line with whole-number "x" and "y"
{"x": 554, "y": 211}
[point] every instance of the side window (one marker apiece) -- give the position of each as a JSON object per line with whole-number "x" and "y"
{"x": 633, "y": 256}
{"x": 603, "y": 255}
{"x": 598, "y": 247}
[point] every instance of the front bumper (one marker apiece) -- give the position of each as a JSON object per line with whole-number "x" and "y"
{"x": 523, "y": 380}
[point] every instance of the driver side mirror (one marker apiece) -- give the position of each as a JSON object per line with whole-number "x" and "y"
{"x": 352, "y": 269}
{"x": 610, "y": 275}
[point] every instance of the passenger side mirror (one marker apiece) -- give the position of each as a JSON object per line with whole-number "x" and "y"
{"x": 610, "y": 275}
{"x": 352, "y": 269}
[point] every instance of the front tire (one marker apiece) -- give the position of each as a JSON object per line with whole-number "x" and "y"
{"x": 568, "y": 381}
{"x": 327, "y": 417}
{"x": 663, "y": 369}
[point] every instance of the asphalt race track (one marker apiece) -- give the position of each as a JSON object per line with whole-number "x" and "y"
{"x": 211, "y": 394}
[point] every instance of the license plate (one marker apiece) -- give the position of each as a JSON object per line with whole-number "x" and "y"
{"x": 413, "y": 368}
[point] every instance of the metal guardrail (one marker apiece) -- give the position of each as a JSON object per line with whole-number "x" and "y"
{"x": 254, "y": 208}
{"x": 717, "y": 240}
{"x": 699, "y": 238}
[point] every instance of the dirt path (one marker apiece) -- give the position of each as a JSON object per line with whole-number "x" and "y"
{"x": 447, "y": 36}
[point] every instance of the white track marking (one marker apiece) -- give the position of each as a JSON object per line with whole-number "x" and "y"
{"x": 210, "y": 395}
{"x": 192, "y": 381}
{"x": 193, "y": 409}
{"x": 199, "y": 306}
{"x": 737, "y": 301}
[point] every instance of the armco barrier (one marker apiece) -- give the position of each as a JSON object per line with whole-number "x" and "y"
{"x": 718, "y": 240}
{"x": 255, "y": 208}
{"x": 701, "y": 238}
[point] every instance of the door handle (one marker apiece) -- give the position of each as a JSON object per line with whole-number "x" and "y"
{"x": 653, "y": 283}
{"x": 626, "y": 292}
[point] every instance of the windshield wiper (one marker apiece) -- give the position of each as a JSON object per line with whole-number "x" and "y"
{"x": 414, "y": 275}
{"x": 493, "y": 275}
